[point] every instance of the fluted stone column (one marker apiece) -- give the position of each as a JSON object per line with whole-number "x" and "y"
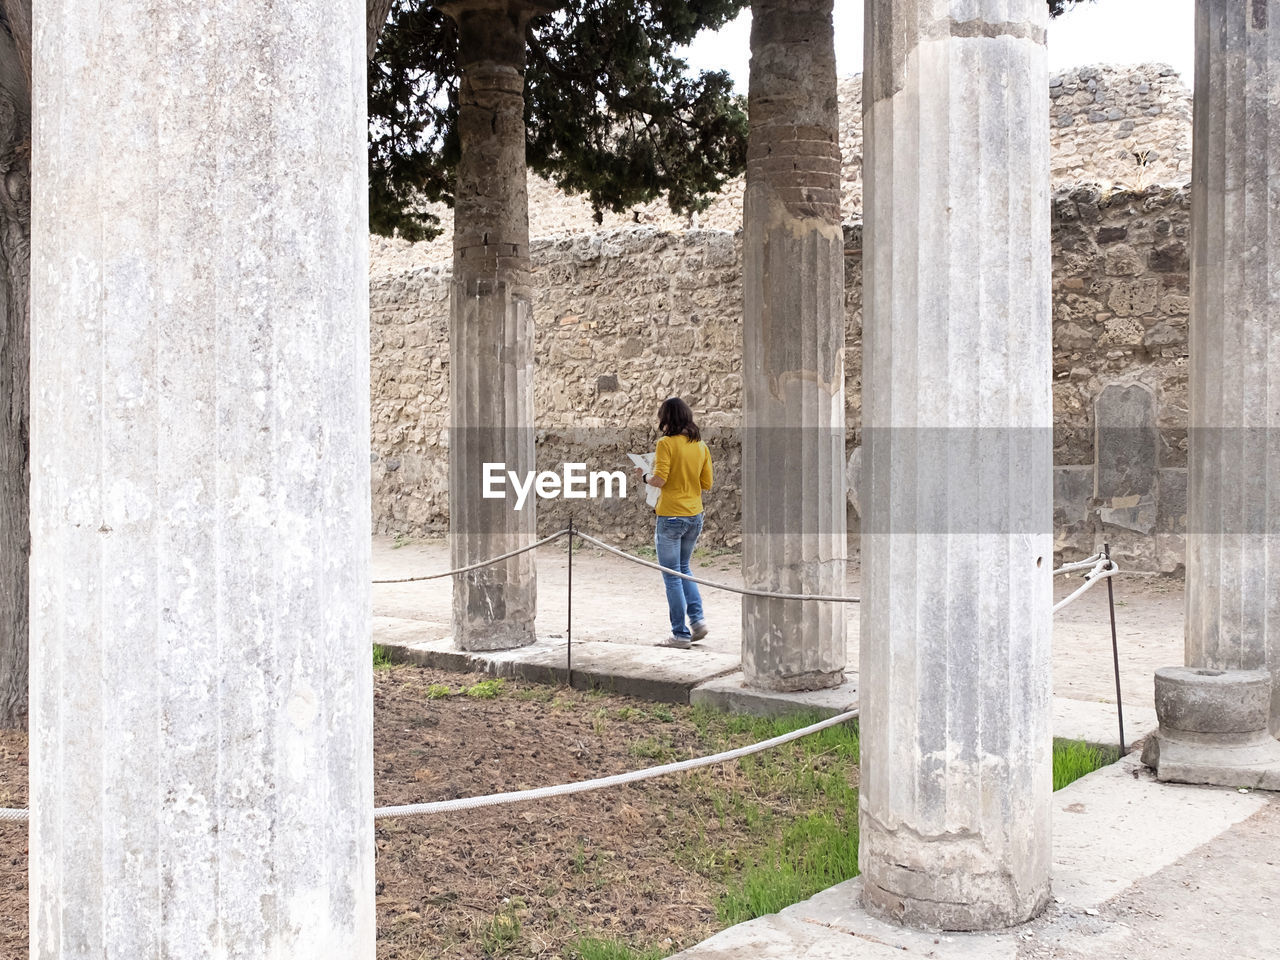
{"x": 793, "y": 499}
{"x": 1220, "y": 714}
{"x": 201, "y": 727}
{"x": 491, "y": 329}
{"x": 957, "y": 543}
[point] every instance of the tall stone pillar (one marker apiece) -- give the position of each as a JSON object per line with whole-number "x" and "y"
{"x": 793, "y": 492}
{"x": 957, "y": 545}
{"x": 491, "y": 329}
{"x": 1220, "y": 714}
{"x": 201, "y": 689}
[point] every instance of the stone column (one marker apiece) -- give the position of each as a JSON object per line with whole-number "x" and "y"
{"x": 793, "y": 491}
{"x": 491, "y": 329}
{"x": 1220, "y": 714}
{"x": 957, "y": 544}
{"x": 201, "y": 688}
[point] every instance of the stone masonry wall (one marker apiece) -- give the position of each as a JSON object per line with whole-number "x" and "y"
{"x": 1127, "y": 127}
{"x": 645, "y": 307}
{"x": 627, "y": 318}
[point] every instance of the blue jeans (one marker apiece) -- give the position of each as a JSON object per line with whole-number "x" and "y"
{"x": 674, "y": 539}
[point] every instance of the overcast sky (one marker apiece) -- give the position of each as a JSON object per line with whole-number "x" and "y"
{"x": 1108, "y": 31}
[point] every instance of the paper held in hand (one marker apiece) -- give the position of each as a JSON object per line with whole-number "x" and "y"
{"x": 645, "y": 462}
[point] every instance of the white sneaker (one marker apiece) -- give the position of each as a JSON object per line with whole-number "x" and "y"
{"x": 700, "y": 630}
{"x": 680, "y": 643}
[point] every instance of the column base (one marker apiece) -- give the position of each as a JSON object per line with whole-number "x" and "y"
{"x": 491, "y": 637}
{"x": 795, "y": 683}
{"x": 942, "y": 883}
{"x": 1214, "y": 729}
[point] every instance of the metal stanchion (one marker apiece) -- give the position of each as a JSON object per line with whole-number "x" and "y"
{"x": 568, "y": 626}
{"x": 1115, "y": 646}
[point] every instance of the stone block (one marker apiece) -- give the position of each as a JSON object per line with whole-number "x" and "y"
{"x": 1133, "y": 298}
{"x": 1171, "y": 514}
{"x": 1072, "y": 495}
{"x": 1133, "y": 513}
{"x": 853, "y": 480}
{"x": 1162, "y": 335}
{"x": 1123, "y": 261}
{"x": 1125, "y": 444}
{"x": 1197, "y": 700}
{"x": 1213, "y": 728}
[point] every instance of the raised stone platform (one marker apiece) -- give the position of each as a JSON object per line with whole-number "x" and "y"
{"x": 649, "y": 673}
{"x": 700, "y": 677}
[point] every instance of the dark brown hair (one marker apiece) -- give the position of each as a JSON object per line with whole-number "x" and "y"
{"x": 676, "y": 419}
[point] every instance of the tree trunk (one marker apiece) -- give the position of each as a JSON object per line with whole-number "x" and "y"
{"x": 15, "y": 262}
{"x": 375, "y": 18}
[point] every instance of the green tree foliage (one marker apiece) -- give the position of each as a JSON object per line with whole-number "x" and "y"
{"x": 611, "y": 110}
{"x": 1058, "y": 7}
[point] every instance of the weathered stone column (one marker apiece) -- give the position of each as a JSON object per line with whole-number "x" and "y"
{"x": 491, "y": 329}
{"x": 201, "y": 726}
{"x": 957, "y": 544}
{"x": 793, "y": 501}
{"x": 1220, "y": 714}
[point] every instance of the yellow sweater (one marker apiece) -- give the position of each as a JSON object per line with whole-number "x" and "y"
{"x": 685, "y": 465}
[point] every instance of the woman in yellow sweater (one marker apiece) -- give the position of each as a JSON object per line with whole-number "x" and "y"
{"x": 682, "y": 470}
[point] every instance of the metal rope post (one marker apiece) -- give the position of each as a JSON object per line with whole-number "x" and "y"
{"x": 1115, "y": 646}
{"x": 568, "y": 625}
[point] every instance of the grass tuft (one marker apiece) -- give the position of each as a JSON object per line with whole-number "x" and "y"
{"x": 1072, "y": 759}
{"x": 381, "y": 658}
{"x": 591, "y": 948}
{"x": 501, "y": 933}
{"x": 486, "y": 689}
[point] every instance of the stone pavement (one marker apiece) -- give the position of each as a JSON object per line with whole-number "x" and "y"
{"x": 1141, "y": 870}
{"x": 619, "y": 613}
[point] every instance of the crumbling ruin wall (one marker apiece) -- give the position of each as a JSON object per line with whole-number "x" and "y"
{"x": 1126, "y": 127}
{"x": 627, "y": 318}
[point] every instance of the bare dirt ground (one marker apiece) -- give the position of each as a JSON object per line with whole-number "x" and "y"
{"x": 644, "y": 864}
{"x": 615, "y": 601}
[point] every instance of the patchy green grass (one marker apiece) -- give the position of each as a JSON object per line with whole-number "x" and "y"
{"x": 1072, "y": 759}
{"x": 798, "y": 804}
{"x": 486, "y": 689}
{"x": 736, "y": 840}
{"x": 381, "y": 658}
{"x": 502, "y": 933}
{"x": 591, "y": 948}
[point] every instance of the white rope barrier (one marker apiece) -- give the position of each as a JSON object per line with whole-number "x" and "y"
{"x": 582, "y": 786}
{"x": 745, "y": 591}
{"x": 483, "y": 563}
{"x": 1084, "y": 564}
{"x": 601, "y": 783}
{"x": 1100, "y": 568}
{"x": 1103, "y": 569}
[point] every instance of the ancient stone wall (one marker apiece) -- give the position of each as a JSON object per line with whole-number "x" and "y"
{"x": 646, "y": 307}
{"x": 627, "y": 318}
{"x": 1121, "y": 305}
{"x": 1120, "y": 126}
{"x": 1126, "y": 127}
